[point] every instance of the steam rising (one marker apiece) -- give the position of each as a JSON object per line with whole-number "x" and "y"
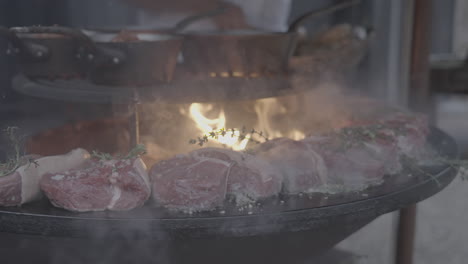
{"x": 167, "y": 128}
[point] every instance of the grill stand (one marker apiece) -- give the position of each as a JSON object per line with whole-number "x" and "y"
{"x": 419, "y": 98}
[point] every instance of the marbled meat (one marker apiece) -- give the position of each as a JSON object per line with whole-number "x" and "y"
{"x": 250, "y": 177}
{"x": 302, "y": 169}
{"x": 361, "y": 154}
{"x": 410, "y": 132}
{"x": 202, "y": 179}
{"x": 190, "y": 183}
{"x": 352, "y": 166}
{"x": 98, "y": 185}
{"x": 22, "y": 185}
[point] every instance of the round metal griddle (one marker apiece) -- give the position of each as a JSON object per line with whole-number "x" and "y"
{"x": 281, "y": 230}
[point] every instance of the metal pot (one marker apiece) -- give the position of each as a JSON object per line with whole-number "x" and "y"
{"x": 44, "y": 54}
{"x": 236, "y": 54}
{"x": 68, "y": 51}
{"x": 249, "y": 53}
{"x": 149, "y": 60}
{"x": 150, "y": 55}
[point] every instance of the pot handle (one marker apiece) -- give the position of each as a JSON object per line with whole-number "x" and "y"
{"x": 87, "y": 49}
{"x": 30, "y": 50}
{"x": 294, "y": 26}
{"x": 184, "y": 23}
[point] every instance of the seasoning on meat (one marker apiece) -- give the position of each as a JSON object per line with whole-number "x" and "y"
{"x": 202, "y": 179}
{"x": 22, "y": 185}
{"x": 116, "y": 184}
{"x": 350, "y": 167}
{"x": 250, "y": 178}
{"x": 301, "y": 168}
{"x": 190, "y": 182}
{"x": 360, "y": 154}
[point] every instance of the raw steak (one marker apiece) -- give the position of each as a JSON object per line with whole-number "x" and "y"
{"x": 10, "y": 189}
{"x": 202, "y": 179}
{"x": 350, "y": 166}
{"x": 118, "y": 184}
{"x": 22, "y": 186}
{"x": 302, "y": 169}
{"x": 362, "y": 153}
{"x": 250, "y": 178}
{"x": 190, "y": 182}
{"x": 409, "y": 130}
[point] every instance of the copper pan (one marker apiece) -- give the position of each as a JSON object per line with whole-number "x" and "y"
{"x": 245, "y": 53}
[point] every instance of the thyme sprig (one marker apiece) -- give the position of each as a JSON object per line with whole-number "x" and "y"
{"x": 101, "y": 155}
{"x": 133, "y": 153}
{"x": 241, "y": 135}
{"x": 412, "y": 163}
{"x": 355, "y": 136}
{"x": 460, "y": 165}
{"x": 350, "y": 137}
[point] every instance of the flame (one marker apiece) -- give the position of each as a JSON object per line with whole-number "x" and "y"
{"x": 297, "y": 135}
{"x": 265, "y": 110}
{"x": 206, "y": 125}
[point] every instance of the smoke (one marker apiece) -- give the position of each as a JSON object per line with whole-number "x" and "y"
{"x": 317, "y": 101}
{"x": 166, "y": 128}
{"x": 122, "y": 241}
{"x": 315, "y": 105}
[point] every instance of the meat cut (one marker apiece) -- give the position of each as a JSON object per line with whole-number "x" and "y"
{"x": 190, "y": 183}
{"x": 202, "y": 179}
{"x": 97, "y": 185}
{"x": 362, "y": 153}
{"x": 350, "y": 167}
{"x": 302, "y": 169}
{"x": 350, "y": 158}
{"x": 409, "y": 130}
{"x": 22, "y": 185}
{"x": 250, "y": 177}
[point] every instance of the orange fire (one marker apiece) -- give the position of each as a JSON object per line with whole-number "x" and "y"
{"x": 206, "y": 126}
{"x": 264, "y": 109}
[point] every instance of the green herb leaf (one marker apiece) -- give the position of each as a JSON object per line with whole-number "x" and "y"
{"x": 233, "y": 133}
{"x": 133, "y": 153}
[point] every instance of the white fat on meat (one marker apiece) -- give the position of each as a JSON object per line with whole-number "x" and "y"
{"x": 250, "y": 178}
{"x": 98, "y": 185}
{"x": 32, "y": 173}
{"x": 117, "y": 193}
{"x": 141, "y": 172}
